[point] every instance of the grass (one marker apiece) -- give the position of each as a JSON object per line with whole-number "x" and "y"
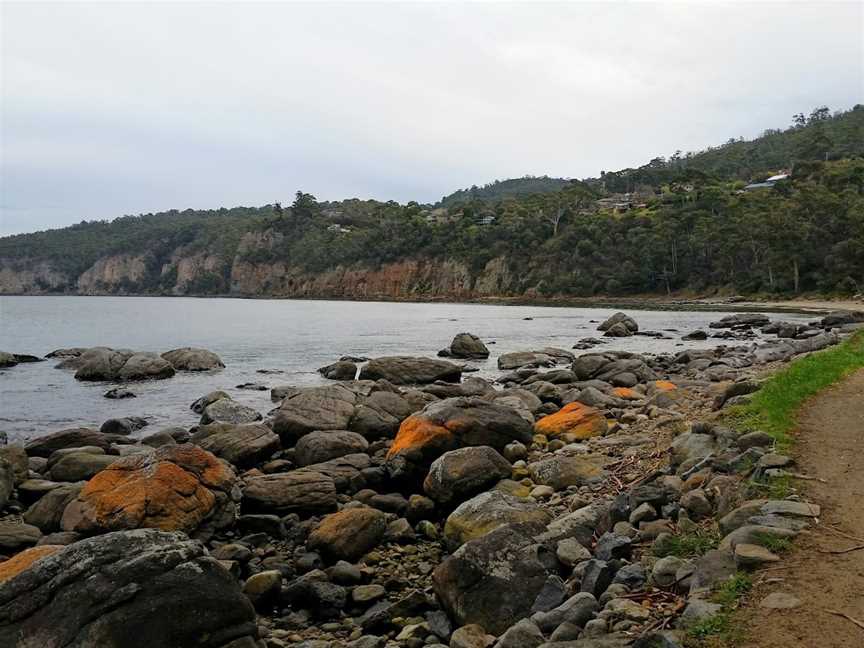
{"x": 720, "y": 628}
{"x": 773, "y": 488}
{"x": 774, "y": 407}
{"x": 773, "y": 543}
{"x": 691, "y": 543}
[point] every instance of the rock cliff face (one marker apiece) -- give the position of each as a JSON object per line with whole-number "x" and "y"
{"x": 253, "y": 272}
{"x": 199, "y": 274}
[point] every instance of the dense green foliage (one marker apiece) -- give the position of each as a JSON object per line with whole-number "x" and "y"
{"x": 690, "y": 226}
{"x": 502, "y": 189}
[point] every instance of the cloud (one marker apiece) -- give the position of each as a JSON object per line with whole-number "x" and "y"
{"x": 119, "y": 108}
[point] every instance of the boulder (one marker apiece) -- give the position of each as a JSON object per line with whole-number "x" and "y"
{"x": 7, "y": 482}
{"x": 755, "y": 320}
{"x": 341, "y": 370}
{"x": 192, "y": 359}
{"x": 347, "y": 472}
{"x": 462, "y": 473}
{"x": 318, "y": 447}
{"x": 116, "y": 393}
{"x": 493, "y": 580}
{"x": 126, "y": 425}
{"x": 518, "y": 359}
{"x": 315, "y": 408}
{"x": 466, "y": 345}
{"x": 47, "y": 512}
{"x": 199, "y": 405}
{"x": 561, "y": 471}
{"x": 128, "y": 589}
{"x": 576, "y": 420}
{"x": 100, "y": 363}
{"x": 348, "y": 534}
{"x": 449, "y": 424}
{"x": 408, "y": 370}
{"x": 15, "y": 535}
{"x": 144, "y": 366}
{"x": 487, "y": 511}
{"x": 174, "y": 488}
{"x": 227, "y": 410}
{"x": 628, "y": 323}
{"x": 618, "y": 330}
{"x": 302, "y": 491}
{"x": 241, "y": 445}
{"x": 73, "y": 438}
{"x": 79, "y": 466}
{"x": 18, "y": 461}
{"x": 380, "y": 413}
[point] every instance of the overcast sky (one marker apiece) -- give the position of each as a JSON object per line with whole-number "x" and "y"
{"x": 112, "y": 109}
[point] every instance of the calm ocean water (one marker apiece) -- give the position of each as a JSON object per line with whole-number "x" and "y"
{"x": 292, "y": 336}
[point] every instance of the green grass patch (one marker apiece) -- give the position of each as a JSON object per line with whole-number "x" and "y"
{"x": 689, "y": 544}
{"x": 773, "y": 408}
{"x": 773, "y": 488}
{"x": 773, "y": 543}
{"x": 720, "y": 630}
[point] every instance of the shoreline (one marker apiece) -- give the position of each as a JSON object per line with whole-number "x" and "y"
{"x": 815, "y": 306}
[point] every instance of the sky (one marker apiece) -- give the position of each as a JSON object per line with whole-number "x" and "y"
{"x": 116, "y": 108}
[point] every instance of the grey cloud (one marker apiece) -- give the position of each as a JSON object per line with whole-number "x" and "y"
{"x": 119, "y": 108}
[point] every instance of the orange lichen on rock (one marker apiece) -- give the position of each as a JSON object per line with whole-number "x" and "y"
{"x": 21, "y": 561}
{"x": 417, "y": 432}
{"x": 627, "y": 393}
{"x": 665, "y": 385}
{"x": 575, "y": 419}
{"x": 172, "y": 490}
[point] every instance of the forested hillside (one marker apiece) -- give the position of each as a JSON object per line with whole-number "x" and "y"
{"x": 683, "y": 223}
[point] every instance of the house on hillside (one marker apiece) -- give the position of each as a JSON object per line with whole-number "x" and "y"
{"x": 768, "y": 182}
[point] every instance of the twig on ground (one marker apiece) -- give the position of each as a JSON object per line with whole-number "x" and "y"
{"x": 858, "y": 623}
{"x": 844, "y": 534}
{"x": 842, "y": 551}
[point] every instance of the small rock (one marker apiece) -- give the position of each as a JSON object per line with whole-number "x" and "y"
{"x": 779, "y": 601}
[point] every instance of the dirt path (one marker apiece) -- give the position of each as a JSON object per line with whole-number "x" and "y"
{"x": 830, "y": 445}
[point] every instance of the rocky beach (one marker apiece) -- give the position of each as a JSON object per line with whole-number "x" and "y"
{"x": 577, "y": 498}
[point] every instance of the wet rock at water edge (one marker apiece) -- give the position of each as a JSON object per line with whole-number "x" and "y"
{"x": 468, "y": 346}
{"x": 193, "y": 359}
{"x": 118, "y": 393}
{"x": 408, "y": 370}
{"x": 341, "y": 370}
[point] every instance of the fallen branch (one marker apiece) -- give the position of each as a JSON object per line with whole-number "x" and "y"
{"x": 858, "y": 623}
{"x": 842, "y": 551}
{"x": 845, "y": 535}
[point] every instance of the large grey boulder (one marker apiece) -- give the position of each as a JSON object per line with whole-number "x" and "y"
{"x": 756, "y": 320}
{"x": 241, "y": 445}
{"x": 461, "y": 473}
{"x": 227, "y": 410}
{"x": 492, "y": 509}
{"x": 315, "y": 408}
{"x": 128, "y": 589}
{"x": 296, "y": 491}
{"x": 341, "y": 370}
{"x": 409, "y": 370}
{"x": 73, "y": 438}
{"x": 47, "y": 511}
{"x": 379, "y": 414}
{"x": 321, "y": 446}
{"x": 192, "y": 359}
{"x": 78, "y": 466}
{"x": 144, "y": 366}
{"x": 469, "y": 346}
{"x": 492, "y": 581}
{"x": 518, "y": 359}
{"x": 100, "y": 363}
{"x": 623, "y": 322}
